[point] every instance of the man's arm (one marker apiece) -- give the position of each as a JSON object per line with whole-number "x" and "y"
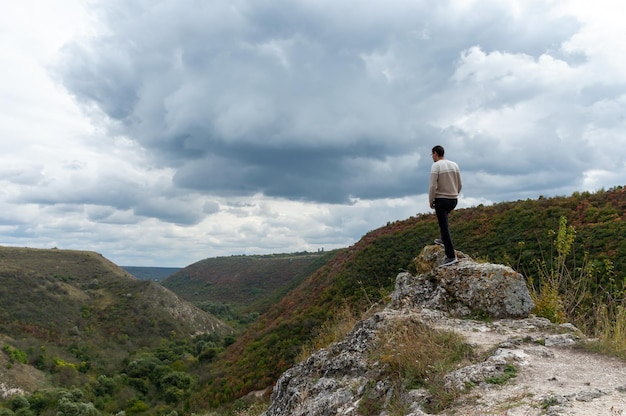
{"x": 432, "y": 187}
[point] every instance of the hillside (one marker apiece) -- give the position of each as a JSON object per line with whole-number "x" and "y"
{"x": 512, "y": 233}
{"x": 238, "y": 286}
{"x": 151, "y": 273}
{"x": 74, "y": 315}
{"x": 79, "y": 289}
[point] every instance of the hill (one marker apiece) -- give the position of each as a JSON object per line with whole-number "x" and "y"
{"x": 151, "y": 273}
{"x": 74, "y": 316}
{"x": 239, "y": 288}
{"x": 356, "y": 278}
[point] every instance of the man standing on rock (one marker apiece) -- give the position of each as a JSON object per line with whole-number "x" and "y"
{"x": 443, "y": 193}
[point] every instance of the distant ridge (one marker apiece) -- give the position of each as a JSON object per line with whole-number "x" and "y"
{"x": 249, "y": 283}
{"x": 151, "y": 273}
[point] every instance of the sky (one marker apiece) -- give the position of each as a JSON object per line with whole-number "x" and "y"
{"x": 164, "y": 132}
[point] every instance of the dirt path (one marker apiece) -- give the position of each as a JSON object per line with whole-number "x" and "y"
{"x": 556, "y": 376}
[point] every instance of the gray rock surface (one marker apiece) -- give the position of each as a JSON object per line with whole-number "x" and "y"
{"x": 465, "y": 288}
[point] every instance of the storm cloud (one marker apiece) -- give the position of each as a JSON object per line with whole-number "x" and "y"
{"x": 324, "y": 101}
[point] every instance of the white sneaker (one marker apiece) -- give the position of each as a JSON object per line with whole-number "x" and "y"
{"x": 439, "y": 241}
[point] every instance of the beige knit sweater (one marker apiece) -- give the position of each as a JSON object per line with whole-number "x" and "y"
{"x": 445, "y": 180}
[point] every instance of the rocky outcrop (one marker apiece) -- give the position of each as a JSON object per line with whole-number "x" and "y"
{"x": 466, "y": 288}
{"x": 335, "y": 380}
{"x": 330, "y": 381}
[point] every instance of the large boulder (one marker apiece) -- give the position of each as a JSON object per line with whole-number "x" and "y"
{"x": 463, "y": 289}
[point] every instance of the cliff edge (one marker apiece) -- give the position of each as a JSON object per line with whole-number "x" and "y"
{"x": 521, "y": 364}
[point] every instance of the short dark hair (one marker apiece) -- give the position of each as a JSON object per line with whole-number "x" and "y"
{"x": 439, "y": 150}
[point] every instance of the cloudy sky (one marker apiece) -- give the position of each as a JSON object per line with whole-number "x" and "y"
{"x": 163, "y": 132}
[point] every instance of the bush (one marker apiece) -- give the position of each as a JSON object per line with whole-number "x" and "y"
{"x": 176, "y": 379}
{"x": 67, "y": 407}
{"x": 15, "y": 354}
{"x": 19, "y": 402}
{"x": 174, "y": 395}
{"x": 136, "y": 406}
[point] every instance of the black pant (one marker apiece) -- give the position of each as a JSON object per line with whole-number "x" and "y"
{"x": 443, "y": 206}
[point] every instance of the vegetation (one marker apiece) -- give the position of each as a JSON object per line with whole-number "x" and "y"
{"x": 237, "y": 289}
{"x": 510, "y": 371}
{"x": 415, "y": 355}
{"x": 331, "y": 331}
{"x": 76, "y": 323}
{"x": 586, "y": 294}
{"x": 106, "y": 343}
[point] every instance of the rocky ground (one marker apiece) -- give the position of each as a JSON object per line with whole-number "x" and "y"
{"x": 556, "y": 375}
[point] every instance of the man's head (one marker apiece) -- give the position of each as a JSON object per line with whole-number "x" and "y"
{"x": 438, "y": 153}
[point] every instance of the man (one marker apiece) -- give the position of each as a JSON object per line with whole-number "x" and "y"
{"x": 443, "y": 193}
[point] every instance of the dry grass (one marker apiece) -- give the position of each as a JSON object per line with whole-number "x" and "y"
{"x": 418, "y": 356}
{"x": 611, "y": 331}
{"x": 332, "y": 331}
{"x": 548, "y": 303}
{"x": 255, "y": 408}
{"x": 412, "y": 354}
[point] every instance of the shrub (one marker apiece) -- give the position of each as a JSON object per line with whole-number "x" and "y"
{"x": 174, "y": 395}
{"x": 15, "y": 354}
{"x": 19, "y": 402}
{"x": 587, "y": 295}
{"x": 69, "y": 407}
{"x": 136, "y": 406}
{"x": 176, "y": 379}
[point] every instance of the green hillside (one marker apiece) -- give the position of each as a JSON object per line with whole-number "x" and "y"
{"x": 73, "y": 317}
{"x": 239, "y": 288}
{"x": 514, "y": 233}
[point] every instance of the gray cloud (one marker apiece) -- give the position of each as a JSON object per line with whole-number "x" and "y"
{"x": 281, "y": 97}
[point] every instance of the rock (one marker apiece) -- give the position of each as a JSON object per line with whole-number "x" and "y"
{"x": 589, "y": 395}
{"x": 465, "y": 288}
{"x": 329, "y": 381}
{"x": 561, "y": 340}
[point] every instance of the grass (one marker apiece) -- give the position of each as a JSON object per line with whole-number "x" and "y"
{"x": 510, "y": 371}
{"x": 415, "y": 355}
{"x": 611, "y": 332}
{"x": 333, "y": 330}
{"x": 256, "y": 408}
{"x": 571, "y": 292}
